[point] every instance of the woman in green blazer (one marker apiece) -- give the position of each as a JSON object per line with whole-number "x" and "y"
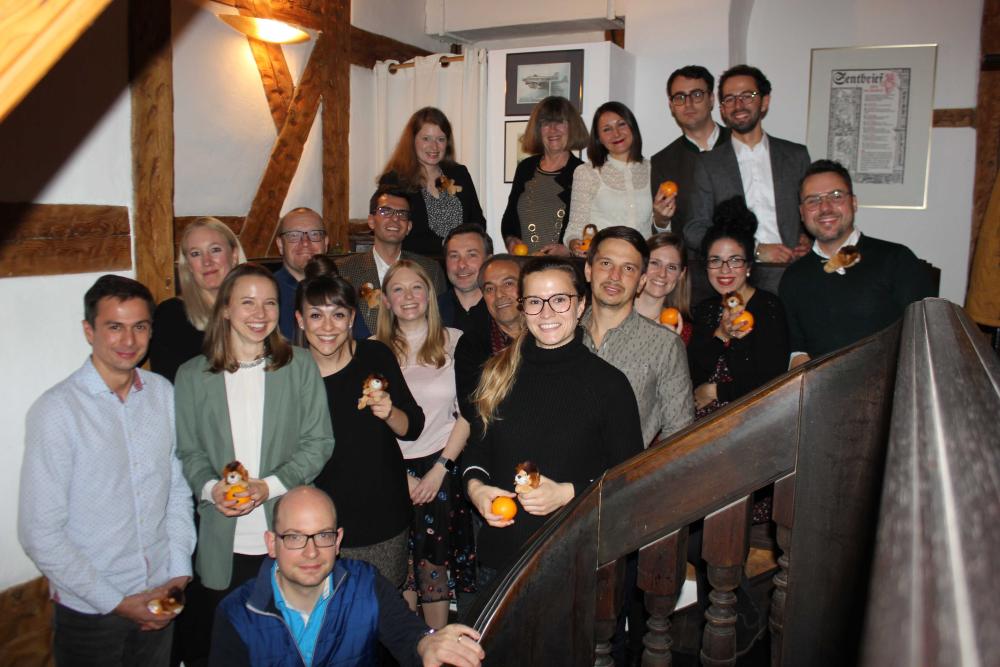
{"x": 253, "y": 398}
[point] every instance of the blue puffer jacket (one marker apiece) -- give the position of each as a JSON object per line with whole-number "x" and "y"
{"x": 348, "y": 636}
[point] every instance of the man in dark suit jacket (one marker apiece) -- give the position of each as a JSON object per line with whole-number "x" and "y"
{"x": 690, "y": 97}
{"x": 389, "y": 220}
{"x": 763, "y": 169}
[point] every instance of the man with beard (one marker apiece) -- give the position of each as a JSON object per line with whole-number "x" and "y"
{"x": 765, "y": 170}
{"x": 851, "y": 285}
{"x": 652, "y": 357}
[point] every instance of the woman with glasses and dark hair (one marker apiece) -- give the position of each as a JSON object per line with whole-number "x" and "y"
{"x": 441, "y": 193}
{"x": 613, "y": 188}
{"x": 539, "y": 203}
{"x": 365, "y": 476}
{"x": 253, "y": 398}
{"x": 727, "y": 358}
{"x": 667, "y": 284}
{"x": 546, "y": 399}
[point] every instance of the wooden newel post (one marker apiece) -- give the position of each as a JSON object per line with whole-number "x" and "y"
{"x": 783, "y": 515}
{"x": 610, "y": 580}
{"x": 724, "y": 549}
{"x": 662, "y": 566}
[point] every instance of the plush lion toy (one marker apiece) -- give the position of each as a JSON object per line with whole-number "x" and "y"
{"x": 371, "y": 294}
{"x": 173, "y": 603}
{"x": 846, "y": 257}
{"x": 448, "y": 185}
{"x": 526, "y": 477}
{"x": 373, "y": 383}
{"x": 589, "y": 232}
{"x": 236, "y": 476}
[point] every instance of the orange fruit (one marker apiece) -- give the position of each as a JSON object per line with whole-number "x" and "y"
{"x": 670, "y": 316}
{"x": 233, "y": 490}
{"x": 668, "y": 188}
{"x": 504, "y": 506}
{"x": 520, "y": 249}
{"x": 744, "y": 321}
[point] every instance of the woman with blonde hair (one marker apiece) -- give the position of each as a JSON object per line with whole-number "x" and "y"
{"x": 667, "y": 283}
{"x": 548, "y": 400}
{"x": 441, "y": 542}
{"x": 207, "y": 252}
{"x": 440, "y": 191}
{"x": 255, "y": 399}
{"x": 539, "y": 202}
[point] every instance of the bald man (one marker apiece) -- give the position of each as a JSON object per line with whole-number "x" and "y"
{"x": 308, "y": 607}
{"x": 301, "y": 235}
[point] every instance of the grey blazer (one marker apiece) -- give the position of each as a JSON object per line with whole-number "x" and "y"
{"x": 360, "y": 269}
{"x": 296, "y": 442}
{"x": 717, "y": 178}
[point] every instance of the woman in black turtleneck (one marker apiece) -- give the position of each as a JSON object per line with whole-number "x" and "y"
{"x": 549, "y": 400}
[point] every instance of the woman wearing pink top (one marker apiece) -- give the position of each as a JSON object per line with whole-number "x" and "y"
{"x": 441, "y": 542}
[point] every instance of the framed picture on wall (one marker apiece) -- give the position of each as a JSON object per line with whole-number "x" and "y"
{"x": 531, "y": 77}
{"x": 512, "y": 152}
{"x": 871, "y": 108}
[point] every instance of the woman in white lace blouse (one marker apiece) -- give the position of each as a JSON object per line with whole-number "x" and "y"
{"x": 613, "y": 188}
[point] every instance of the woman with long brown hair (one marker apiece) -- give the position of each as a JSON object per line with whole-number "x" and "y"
{"x": 441, "y": 539}
{"x": 546, "y": 399}
{"x": 440, "y": 191}
{"x": 207, "y": 252}
{"x": 667, "y": 284}
{"x": 251, "y": 398}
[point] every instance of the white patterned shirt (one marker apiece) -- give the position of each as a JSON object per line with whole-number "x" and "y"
{"x": 615, "y": 194}
{"x": 758, "y": 187}
{"x": 104, "y": 511}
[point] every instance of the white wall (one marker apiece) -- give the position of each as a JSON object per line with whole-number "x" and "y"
{"x": 67, "y": 142}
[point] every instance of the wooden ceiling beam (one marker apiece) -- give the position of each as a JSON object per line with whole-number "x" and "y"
{"x": 337, "y": 123}
{"x": 271, "y": 64}
{"x": 262, "y": 220}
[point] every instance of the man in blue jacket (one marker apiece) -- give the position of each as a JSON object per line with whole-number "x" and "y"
{"x": 306, "y": 607}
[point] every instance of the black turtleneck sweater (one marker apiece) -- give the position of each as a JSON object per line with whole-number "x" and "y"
{"x": 571, "y": 413}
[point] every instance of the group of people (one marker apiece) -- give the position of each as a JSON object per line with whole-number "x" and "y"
{"x": 374, "y": 407}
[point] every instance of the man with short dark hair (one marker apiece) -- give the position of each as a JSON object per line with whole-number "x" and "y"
{"x": 763, "y": 169}
{"x": 301, "y": 235}
{"x": 306, "y": 606}
{"x": 652, "y": 357}
{"x": 389, "y": 220}
{"x": 851, "y": 285}
{"x": 104, "y": 510}
{"x": 465, "y": 249}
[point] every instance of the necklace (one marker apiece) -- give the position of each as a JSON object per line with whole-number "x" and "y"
{"x": 252, "y": 364}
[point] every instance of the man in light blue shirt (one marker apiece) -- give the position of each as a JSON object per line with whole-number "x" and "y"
{"x": 104, "y": 510}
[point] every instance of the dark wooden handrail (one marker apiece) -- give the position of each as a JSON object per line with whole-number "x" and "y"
{"x": 822, "y": 428}
{"x": 935, "y": 587}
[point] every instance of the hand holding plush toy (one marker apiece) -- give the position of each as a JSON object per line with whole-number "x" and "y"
{"x": 742, "y": 320}
{"x": 235, "y": 476}
{"x": 171, "y": 603}
{"x": 373, "y": 383}
{"x": 589, "y": 232}
{"x": 526, "y": 477}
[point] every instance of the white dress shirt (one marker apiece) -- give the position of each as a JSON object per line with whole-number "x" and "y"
{"x": 758, "y": 187}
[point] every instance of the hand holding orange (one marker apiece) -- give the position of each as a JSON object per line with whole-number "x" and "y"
{"x": 744, "y": 321}
{"x": 233, "y": 490}
{"x": 504, "y": 506}
{"x": 670, "y": 316}
{"x": 668, "y": 188}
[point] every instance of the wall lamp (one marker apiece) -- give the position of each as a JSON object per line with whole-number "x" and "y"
{"x": 266, "y": 30}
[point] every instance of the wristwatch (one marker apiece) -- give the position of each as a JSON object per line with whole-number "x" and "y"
{"x": 448, "y": 464}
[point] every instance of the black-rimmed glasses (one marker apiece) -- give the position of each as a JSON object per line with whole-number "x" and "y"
{"x": 314, "y": 235}
{"x": 389, "y": 212}
{"x": 696, "y": 96}
{"x": 296, "y": 541}
{"x": 745, "y": 98}
{"x": 559, "y": 303}
{"x": 734, "y": 262}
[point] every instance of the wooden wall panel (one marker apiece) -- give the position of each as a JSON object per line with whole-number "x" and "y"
{"x": 152, "y": 88}
{"x": 52, "y": 239}
{"x": 337, "y": 122}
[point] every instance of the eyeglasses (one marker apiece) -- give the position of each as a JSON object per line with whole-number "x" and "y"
{"x": 296, "y": 541}
{"x": 734, "y": 262}
{"x": 835, "y": 197}
{"x": 315, "y": 235}
{"x": 696, "y": 96}
{"x": 559, "y": 303}
{"x": 745, "y": 98}
{"x": 388, "y": 212}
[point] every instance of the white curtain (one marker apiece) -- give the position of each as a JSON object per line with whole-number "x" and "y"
{"x": 459, "y": 90}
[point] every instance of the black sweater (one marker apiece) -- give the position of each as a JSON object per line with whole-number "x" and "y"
{"x": 422, "y": 239}
{"x": 365, "y": 476}
{"x": 175, "y": 340}
{"x": 753, "y": 360}
{"x": 571, "y": 413}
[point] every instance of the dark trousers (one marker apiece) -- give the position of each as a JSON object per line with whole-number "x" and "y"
{"x": 107, "y": 640}
{"x": 194, "y": 626}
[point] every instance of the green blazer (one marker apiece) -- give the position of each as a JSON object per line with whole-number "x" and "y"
{"x": 297, "y": 441}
